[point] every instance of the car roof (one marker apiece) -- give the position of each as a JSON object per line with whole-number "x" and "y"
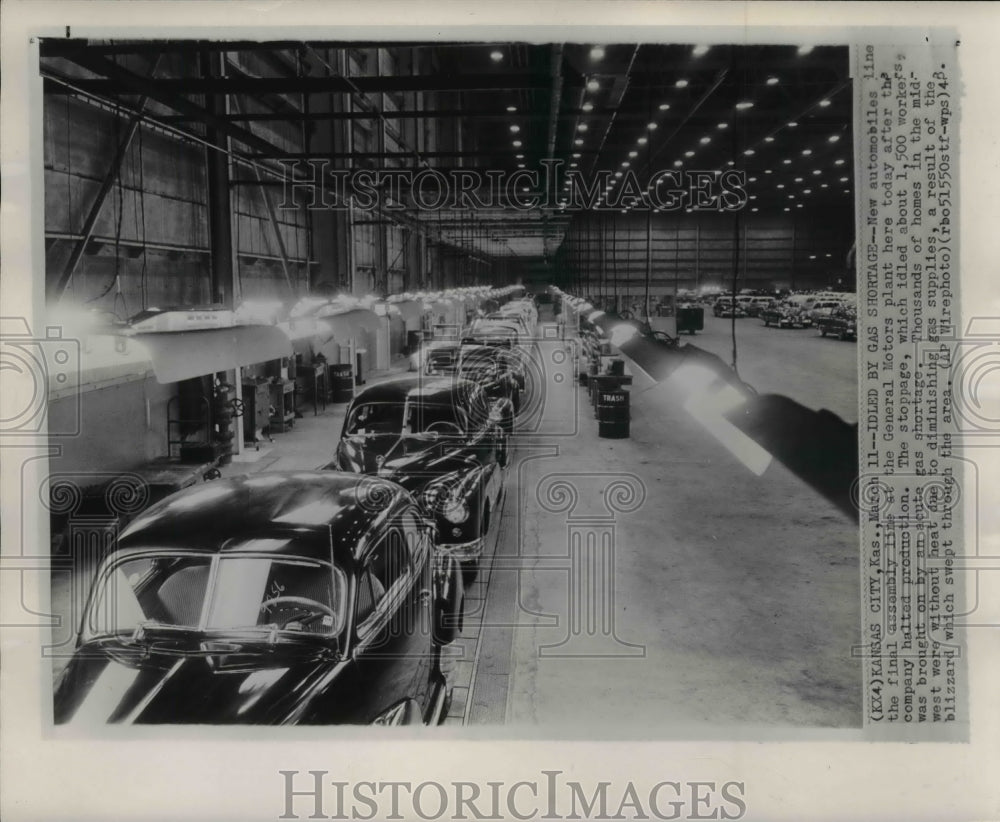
{"x": 223, "y": 514}
{"x": 446, "y": 390}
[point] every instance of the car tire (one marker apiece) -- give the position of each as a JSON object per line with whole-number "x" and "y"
{"x": 767, "y": 323}
{"x": 822, "y": 332}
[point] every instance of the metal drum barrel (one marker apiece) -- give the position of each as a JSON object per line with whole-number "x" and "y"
{"x": 341, "y": 382}
{"x": 613, "y": 414}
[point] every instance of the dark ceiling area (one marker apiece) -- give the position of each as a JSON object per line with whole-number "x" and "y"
{"x": 779, "y": 114}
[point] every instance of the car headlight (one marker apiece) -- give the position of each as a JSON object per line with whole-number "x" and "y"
{"x": 455, "y": 511}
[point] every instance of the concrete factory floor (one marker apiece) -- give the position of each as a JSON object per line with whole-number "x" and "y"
{"x": 650, "y": 586}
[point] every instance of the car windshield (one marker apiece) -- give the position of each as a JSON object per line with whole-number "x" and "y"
{"x": 440, "y": 361}
{"x": 429, "y": 418}
{"x": 375, "y": 418}
{"x": 238, "y": 591}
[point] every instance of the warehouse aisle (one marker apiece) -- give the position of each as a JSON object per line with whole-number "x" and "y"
{"x": 662, "y": 585}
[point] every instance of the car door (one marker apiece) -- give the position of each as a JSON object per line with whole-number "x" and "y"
{"x": 393, "y": 604}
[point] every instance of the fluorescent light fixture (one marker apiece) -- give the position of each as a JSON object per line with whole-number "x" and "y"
{"x": 593, "y": 85}
{"x": 769, "y": 139}
{"x": 496, "y": 56}
{"x": 749, "y": 152}
{"x": 652, "y": 126}
{"x": 681, "y": 83}
{"x": 806, "y": 152}
{"x": 587, "y": 106}
{"x": 515, "y": 129}
{"x": 772, "y": 81}
{"x": 804, "y": 50}
{"x": 582, "y": 127}
{"x": 511, "y": 109}
{"x": 723, "y": 125}
{"x": 824, "y": 103}
{"x": 597, "y": 53}
{"x": 633, "y": 154}
{"x": 664, "y": 106}
{"x": 743, "y": 105}
{"x": 792, "y": 124}
{"x": 698, "y": 51}
{"x": 833, "y": 138}
{"x": 705, "y": 141}
{"x": 689, "y": 154}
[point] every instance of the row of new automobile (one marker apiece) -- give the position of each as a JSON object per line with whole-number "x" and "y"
{"x": 831, "y": 313}
{"x": 314, "y": 596}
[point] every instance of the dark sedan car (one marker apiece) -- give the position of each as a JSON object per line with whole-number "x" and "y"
{"x": 498, "y": 370}
{"x": 443, "y": 439}
{"x": 282, "y": 598}
{"x": 841, "y": 322}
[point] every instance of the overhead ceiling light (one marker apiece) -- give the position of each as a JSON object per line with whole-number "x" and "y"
{"x": 524, "y": 189}
{"x": 791, "y": 196}
{"x": 792, "y": 124}
{"x": 804, "y": 50}
{"x": 755, "y": 209}
{"x": 664, "y": 106}
{"x": 847, "y": 191}
{"x": 743, "y": 105}
{"x": 839, "y": 162}
{"x": 705, "y": 141}
{"x": 781, "y": 185}
{"x": 730, "y": 162}
{"x": 519, "y": 156}
{"x": 769, "y": 139}
{"x": 573, "y": 164}
{"x": 806, "y": 152}
{"x": 749, "y": 152}
{"x": 578, "y": 142}
{"x": 597, "y": 53}
{"x": 807, "y": 191}
{"x": 798, "y": 179}
{"x": 633, "y": 154}
{"x": 753, "y": 196}
{"x": 752, "y": 180}
{"x": 823, "y": 185}
{"x": 652, "y": 126}
{"x": 689, "y": 154}
{"x": 625, "y": 164}
{"x": 824, "y": 103}
{"x": 618, "y": 174}
{"x": 515, "y": 129}
{"x": 768, "y": 171}
{"x": 576, "y": 155}
{"x": 843, "y": 179}
{"x": 517, "y": 144}
{"x": 678, "y": 163}
{"x": 723, "y": 125}
{"x": 834, "y": 138}
{"x": 642, "y": 141}
{"x": 787, "y": 162}
{"x": 587, "y": 107}
{"x": 593, "y": 85}
{"x": 812, "y": 256}
{"x": 681, "y": 83}
{"x": 512, "y": 109}
{"x": 496, "y": 56}
{"x": 798, "y": 205}
{"x": 582, "y": 127}
{"x": 520, "y": 165}
{"x": 772, "y": 81}
{"x": 787, "y": 209}
{"x": 698, "y": 51}
{"x": 817, "y": 172}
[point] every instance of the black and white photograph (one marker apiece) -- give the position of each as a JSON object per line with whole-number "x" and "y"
{"x": 587, "y": 309}
{"x": 453, "y": 387}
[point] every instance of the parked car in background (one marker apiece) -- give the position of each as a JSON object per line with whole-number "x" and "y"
{"x": 446, "y": 440}
{"x": 726, "y": 307}
{"x": 842, "y": 322}
{"x": 784, "y": 314}
{"x": 823, "y": 307}
{"x": 280, "y": 598}
{"x": 756, "y": 304}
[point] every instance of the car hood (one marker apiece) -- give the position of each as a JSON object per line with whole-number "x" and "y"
{"x": 105, "y": 683}
{"x": 410, "y": 461}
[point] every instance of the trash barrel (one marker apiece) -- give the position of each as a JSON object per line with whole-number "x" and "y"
{"x": 613, "y": 414}
{"x": 617, "y": 368}
{"x": 690, "y": 318}
{"x": 341, "y": 382}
